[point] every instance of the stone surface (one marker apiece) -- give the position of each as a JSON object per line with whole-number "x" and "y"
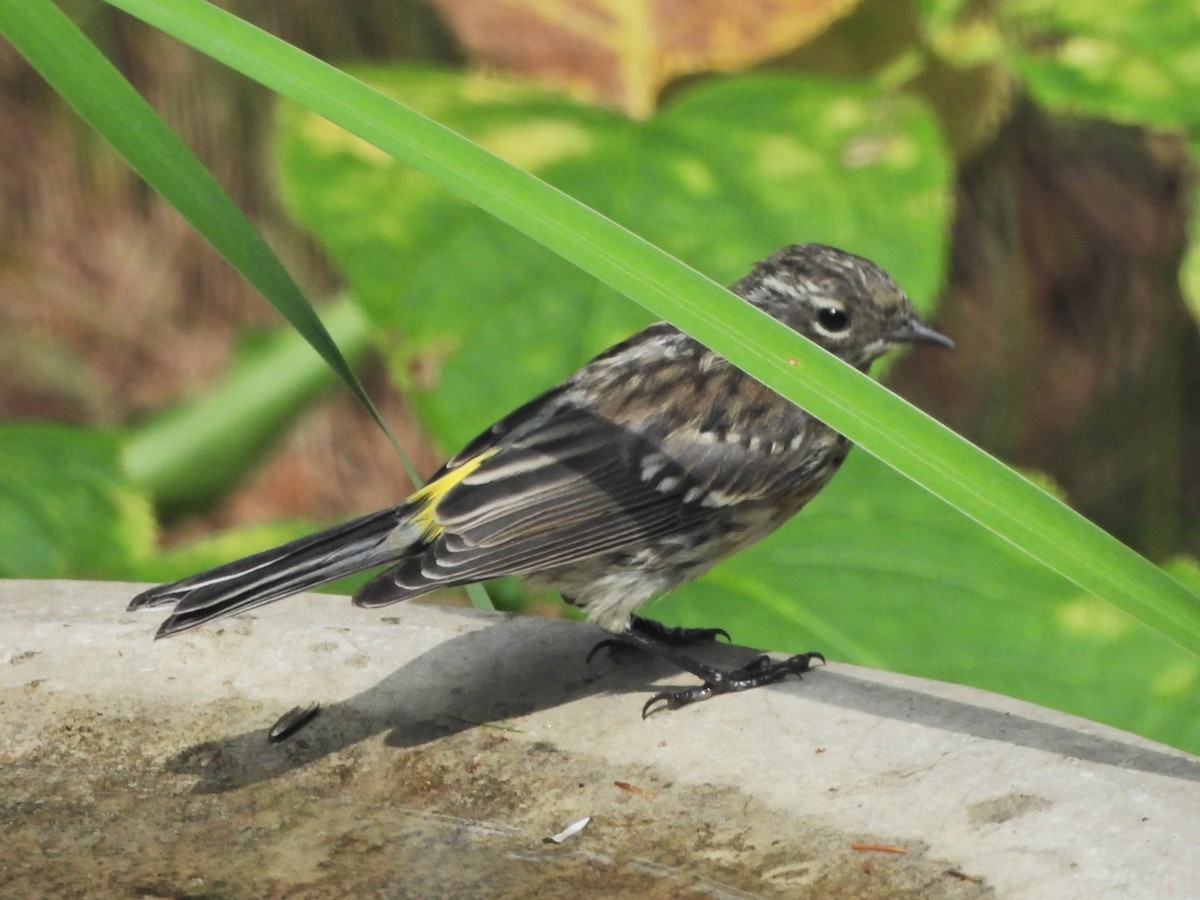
{"x": 452, "y": 744}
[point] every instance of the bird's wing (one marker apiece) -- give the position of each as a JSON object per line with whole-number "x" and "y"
{"x": 555, "y": 483}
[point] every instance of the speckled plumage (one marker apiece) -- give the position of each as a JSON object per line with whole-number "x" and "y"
{"x": 648, "y": 465}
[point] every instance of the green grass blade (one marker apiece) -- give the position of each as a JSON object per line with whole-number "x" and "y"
{"x": 83, "y": 77}
{"x": 959, "y": 473}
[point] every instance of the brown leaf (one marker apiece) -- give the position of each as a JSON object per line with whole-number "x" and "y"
{"x": 622, "y": 52}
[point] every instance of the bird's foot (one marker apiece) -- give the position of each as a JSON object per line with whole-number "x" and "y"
{"x": 762, "y": 671}
{"x": 672, "y": 636}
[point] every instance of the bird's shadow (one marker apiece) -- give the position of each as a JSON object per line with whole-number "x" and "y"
{"x": 524, "y": 665}
{"x": 481, "y": 678}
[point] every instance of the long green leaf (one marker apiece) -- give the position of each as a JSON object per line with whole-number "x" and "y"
{"x": 102, "y": 97}
{"x": 915, "y": 445}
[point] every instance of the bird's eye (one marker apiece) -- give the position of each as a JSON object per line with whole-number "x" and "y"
{"x": 833, "y": 319}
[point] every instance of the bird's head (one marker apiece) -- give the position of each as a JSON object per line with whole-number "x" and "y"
{"x": 843, "y": 302}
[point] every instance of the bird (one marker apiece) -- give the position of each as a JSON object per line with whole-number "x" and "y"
{"x": 637, "y": 473}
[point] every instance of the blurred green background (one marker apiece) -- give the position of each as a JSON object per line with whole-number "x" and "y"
{"x": 1024, "y": 169}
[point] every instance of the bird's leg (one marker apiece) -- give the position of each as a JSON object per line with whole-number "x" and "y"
{"x": 762, "y": 671}
{"x": 672, "y": 636}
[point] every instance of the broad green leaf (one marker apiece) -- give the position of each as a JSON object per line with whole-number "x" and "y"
{"x": 66, "y": 507}
{"x": 876, "y": 571}
{"x": 733, "y": 170}
{"x": 1134, "y": 61}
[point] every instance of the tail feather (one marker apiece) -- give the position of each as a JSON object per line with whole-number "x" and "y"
{"x": 276, "y": 573}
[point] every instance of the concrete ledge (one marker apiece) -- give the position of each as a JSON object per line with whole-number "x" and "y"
{"x": 452, "y": 743}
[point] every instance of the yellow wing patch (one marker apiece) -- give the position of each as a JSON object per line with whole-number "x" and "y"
{"x": 425, "y": 500}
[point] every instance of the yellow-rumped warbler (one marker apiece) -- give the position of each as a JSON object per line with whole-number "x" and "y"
{"x": 648, "y": 465}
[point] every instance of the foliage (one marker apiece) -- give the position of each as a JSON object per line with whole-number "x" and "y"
{"x": 188, "y": 453}
{"x": 731, "y": 171}
{"x": 849, "y": 574}
{"x": 1132, "y": 61}
{"x": 66, "y": 506}
{"x": 854, "y": 164}
{"x": 623, "y": 54}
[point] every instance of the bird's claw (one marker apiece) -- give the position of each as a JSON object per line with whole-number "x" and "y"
{"x": 676, "y": 699}
{"x": 609, "y": 643}
{"x": 755, "y": 674}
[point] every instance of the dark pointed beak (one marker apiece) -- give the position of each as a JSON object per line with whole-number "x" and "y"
{"x": 914, "y": 331}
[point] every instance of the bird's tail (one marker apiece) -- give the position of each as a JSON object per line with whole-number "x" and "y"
{"x": 273, "y": 574}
